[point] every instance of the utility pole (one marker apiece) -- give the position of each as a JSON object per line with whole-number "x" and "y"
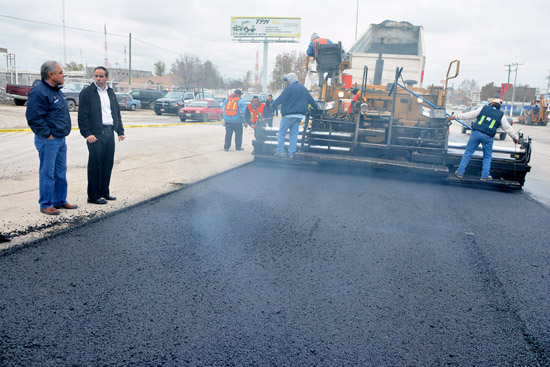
{"x": 507, "y": 84}
{"x": 64, "y": 38}
{"x": 130, "y": 63}
{"x": 514, "y": 89}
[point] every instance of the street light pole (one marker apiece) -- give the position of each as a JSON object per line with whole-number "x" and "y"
{"x": 356, "y": 19}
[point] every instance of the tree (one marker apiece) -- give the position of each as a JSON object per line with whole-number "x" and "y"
{"x": 247, "y": 80}
{"x": 288, "y": 62}
{"x": 188, "y": 69}
{"x": 159, "y": 68}
{"x": 73, "y": 66}
{"x": 467, "y": 89}
{"x": 210, "y": 77}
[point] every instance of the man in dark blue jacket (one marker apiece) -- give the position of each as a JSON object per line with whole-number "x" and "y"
{"x": 48, "y": 117}
{"x": 295, "y": 101}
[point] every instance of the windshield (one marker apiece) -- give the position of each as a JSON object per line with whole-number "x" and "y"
{"x": 175, "y": 95}
{"x": 198, "y": 104}
{"x": 73, "y": 87}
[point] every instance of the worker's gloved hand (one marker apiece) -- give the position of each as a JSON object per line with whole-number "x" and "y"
{"x": 516, "y": 140}
{"x": 451, "y": 118}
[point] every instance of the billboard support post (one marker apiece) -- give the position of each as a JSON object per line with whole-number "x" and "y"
{"x": 265, "y": 30}
{"x": 264, "y": 71}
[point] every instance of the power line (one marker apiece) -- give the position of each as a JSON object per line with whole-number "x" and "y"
{"x": 102, "y": 33}
{"x": 58, "y": 25}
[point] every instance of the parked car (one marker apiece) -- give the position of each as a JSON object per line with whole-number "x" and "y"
{"x": 172, "y": 102}
{"x": 201, "y": 110}
{"x": 127, "y": 102}
{"x": 147, "y": 97}
{"x": 72, "y": 92}
{"x": 204, "y": 95}
{"x": 247, "y": 97}
{"x": 19, "y": 92}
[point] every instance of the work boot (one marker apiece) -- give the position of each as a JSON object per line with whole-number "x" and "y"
{"x": 458, "y": 175}
{"x": 488, "y": 178}
{"x": 50, "y": 211}
{"x": 66, "y": 206}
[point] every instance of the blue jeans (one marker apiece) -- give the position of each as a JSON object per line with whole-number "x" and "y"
{"x": 52, "y": 172}
{"x": 487, "y": 143}
{"x": 287, "y": 123}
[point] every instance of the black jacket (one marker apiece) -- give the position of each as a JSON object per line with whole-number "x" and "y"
{"x": 90, "y": 121}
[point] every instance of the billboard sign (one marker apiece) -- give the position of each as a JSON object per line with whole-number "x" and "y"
{"x": 247, "y": 27}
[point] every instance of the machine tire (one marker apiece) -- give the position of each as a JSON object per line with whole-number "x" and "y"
{"x": 132, "y": 107}
{"x": 502, "y": 136}
{"x": 158, "y": 112}
{"x": 528, "y": 120}
{"x": 152, "y": 105}
{"x": 71, "y": 104}
{"x": 19, "y": 102}
{"x": 182, "y": 119}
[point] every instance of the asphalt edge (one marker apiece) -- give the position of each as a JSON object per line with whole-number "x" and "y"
{"x": 35, "y": 243}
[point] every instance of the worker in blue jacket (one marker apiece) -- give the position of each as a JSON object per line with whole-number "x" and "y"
{"x": 295, "y": 101}
{"x": 48, "y": 117}
{"x": 234, "y": 109}
{"x": 488, "y": 119}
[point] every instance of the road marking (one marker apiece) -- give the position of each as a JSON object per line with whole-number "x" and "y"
{"x": 126, "y": 127}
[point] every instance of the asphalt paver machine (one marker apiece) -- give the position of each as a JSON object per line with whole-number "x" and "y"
{"x": 393, "y": 127}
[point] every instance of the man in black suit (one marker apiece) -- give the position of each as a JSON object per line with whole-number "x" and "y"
{"x": 98, "y": 117}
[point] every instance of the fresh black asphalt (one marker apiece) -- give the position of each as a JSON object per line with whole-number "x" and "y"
{"x": 289, "y": 266}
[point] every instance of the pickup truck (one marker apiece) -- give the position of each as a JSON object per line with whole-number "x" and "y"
{"x": 19, "y": 93}
{"x": 72, "y": 92}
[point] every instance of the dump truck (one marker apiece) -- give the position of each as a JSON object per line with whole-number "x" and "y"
{"x": 393, "y": 127}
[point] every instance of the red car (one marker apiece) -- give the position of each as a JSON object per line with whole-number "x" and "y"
{"x": 201, "y": 110}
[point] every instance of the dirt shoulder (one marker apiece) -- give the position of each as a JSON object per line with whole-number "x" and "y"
{"x": 159, "y": 155}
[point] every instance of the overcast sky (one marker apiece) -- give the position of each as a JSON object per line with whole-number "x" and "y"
{"x": 484, "y": 35}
